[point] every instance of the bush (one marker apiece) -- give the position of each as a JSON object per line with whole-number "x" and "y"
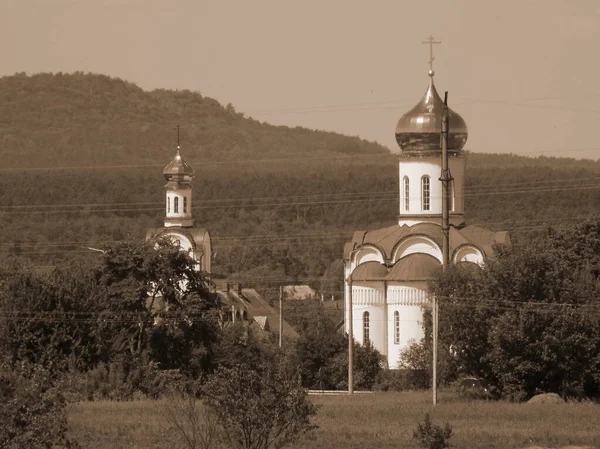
{"x": 431, "y": 436}
{"x": 259, "y": 410}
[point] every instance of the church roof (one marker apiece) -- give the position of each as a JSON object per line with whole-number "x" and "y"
{"x": 387, "y": 239}
{"x": 370, "y": 271}
{"x": 414, "y": 267}
{"x": 418, "y": 131}
{"x": 178, "y": 167}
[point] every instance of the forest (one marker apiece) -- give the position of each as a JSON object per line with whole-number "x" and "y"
{"x": 82, "y": 159}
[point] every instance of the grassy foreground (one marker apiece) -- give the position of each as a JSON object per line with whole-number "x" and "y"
{"x": 381, "y": 420}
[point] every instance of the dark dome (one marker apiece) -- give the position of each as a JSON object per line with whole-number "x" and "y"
{"x": 418, "y": 131}
{"x": 178, "y": 167}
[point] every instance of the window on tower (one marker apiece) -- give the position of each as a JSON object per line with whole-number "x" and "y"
{"x": 426, "y": 193}
{"x": 168, "y": 205}
{"x": 406, "y": 193}
{"x": 176, "y": 205}
{"x": 366, "y": 339}
{"x": 185, "y": 204}
{"x": 396, "y": 327}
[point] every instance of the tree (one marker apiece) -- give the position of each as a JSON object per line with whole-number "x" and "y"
{"x": 259, "y": 410}
{"x": 164, "y": 304}
{"x": 527, "y": 322}
{"x": 52, "y": 318}
{"x": 33, "y": 413}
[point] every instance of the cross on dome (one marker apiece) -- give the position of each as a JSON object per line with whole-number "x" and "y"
{"x": 431, "y": 40}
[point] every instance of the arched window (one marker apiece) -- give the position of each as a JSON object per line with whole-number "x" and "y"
{"x": 176, "y": 205}
{"x": 396, "y": 327}
{"x": 168, "y": 205}
{"x": 185, "y": 204}
{"x": 366, "y": 328}
{"x": 406, "y": 193}
{"x": 426, "y": 193}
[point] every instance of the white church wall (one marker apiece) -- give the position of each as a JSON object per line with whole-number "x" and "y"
{"x": 401, "y": 334}
{"x": 369, "y": 297}
{"x": 408, "y": 300}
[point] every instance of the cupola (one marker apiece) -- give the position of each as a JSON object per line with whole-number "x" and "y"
{"x": 418, "y": 131}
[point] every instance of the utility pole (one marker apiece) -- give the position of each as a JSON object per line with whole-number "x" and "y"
{"x": 280, "y": 315}
{"x": 446, "y": 179}
{"x": 350, "y": 343}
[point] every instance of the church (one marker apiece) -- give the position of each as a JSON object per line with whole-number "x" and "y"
{"x": 179, "y": 222}
{"x": 387, "y": 271}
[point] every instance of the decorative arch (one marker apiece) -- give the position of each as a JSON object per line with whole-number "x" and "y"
{"x": 368, "y": 253}
{"x": 468, "y": 253}
{"x": 416, "y": 244}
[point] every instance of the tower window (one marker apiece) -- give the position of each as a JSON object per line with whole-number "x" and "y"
{"x": 426, "y": 193}
{"x": 366, "y": 339}
{"x": 185, "y": 204}
{"x": 176, "y": 205}
{"x": 168, "y": 205}
{"x": 396, "y": 327}
{"x": 406, "y": 193}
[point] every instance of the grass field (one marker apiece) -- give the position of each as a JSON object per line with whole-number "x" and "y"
{"x": 381, "y": 420}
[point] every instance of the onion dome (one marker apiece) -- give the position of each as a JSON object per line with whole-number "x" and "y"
{"x": 178, "y": 168}
{"x": 419, "y": 130}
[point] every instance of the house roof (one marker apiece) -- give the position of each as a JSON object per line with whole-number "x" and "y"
{"x": 257, "y": 306}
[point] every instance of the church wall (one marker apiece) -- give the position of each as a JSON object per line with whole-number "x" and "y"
{"x": 370, "y": 297}
{"x": 407, "y": 300}
{"x": 410, "y": 330}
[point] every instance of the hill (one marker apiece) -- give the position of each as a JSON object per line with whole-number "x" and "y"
{"x": 50, "y": 120}
{"x": 82, "y": 158}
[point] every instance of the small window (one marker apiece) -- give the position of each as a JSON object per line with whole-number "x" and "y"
{"x": 176, "y": 205}
{"x": 185, "y": 204}
{"x": 396, "y": 327}
{"x": 366, "y": 339}
{"x": 426, "y": 193}
{"x": 406, "y": 193}
{"x": 168, "y": 205}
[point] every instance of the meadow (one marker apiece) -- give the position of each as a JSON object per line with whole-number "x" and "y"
{"x": 381, "y": 420}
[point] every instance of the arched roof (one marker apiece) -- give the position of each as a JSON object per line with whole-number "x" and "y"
{"x": 387, "y": 239}
{"x": 415, "y": 267}
{"x": 369, "y": 271}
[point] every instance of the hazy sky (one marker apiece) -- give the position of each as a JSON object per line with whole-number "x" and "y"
{"x": 524, "y": 74}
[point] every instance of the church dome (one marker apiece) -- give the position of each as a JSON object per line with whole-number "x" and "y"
{"x": 178, "y": 167}
{"x": 418, "y": 131}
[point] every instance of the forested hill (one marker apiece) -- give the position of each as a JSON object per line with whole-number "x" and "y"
{"x": 49, "y": 120}
{"x": 286, "y": 219}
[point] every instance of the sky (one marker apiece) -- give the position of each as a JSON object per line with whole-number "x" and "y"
{"x": 523, "y": 74}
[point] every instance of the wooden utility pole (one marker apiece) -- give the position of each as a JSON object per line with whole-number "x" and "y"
{"x": 280, "y": 315}
{"x": 350, "y": 343}
{"x": 446, "y": 179}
